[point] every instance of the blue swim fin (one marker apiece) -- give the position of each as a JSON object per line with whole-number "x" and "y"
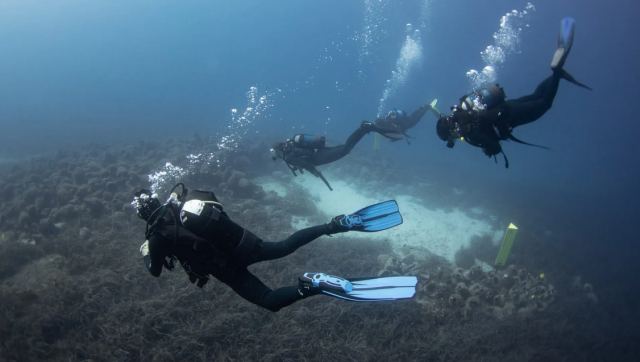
{"x": 372, "y": 218}
{"x": 359, "y": 290}
{"x": 565, "y": 42}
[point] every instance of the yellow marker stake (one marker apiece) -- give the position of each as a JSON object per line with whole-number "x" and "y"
{"x": 507, "y": 243}
{"x": 376, "y": 141}
{"x": 433, "y": 108}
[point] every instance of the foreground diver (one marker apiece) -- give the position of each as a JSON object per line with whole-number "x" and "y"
{"x": 304, "y": 152}
{"x": 192, "y": 228}
{"x": 396, "y": 124}
{"x": 484, "y": 118}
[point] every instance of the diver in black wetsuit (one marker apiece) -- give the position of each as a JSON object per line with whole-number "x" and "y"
{"x": 396, "y": 124}
{"x": 304, "y": 152}
{"x": 193, "y": 229}
{"x": 484, "y": 118}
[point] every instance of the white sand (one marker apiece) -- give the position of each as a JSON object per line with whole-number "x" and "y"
{"x": 269, "y": 184}
{"x": 440, "y": 232}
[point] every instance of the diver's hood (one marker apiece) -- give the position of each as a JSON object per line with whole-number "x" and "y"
{"x": 145, "y": 202}
{"x": 447, "y": 130}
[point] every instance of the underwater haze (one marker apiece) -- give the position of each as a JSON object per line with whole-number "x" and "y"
{"x": 101, "y": 98}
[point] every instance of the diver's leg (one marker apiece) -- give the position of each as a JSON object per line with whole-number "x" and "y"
{"x": 357, "y": 135}
{"x": 274, "y": 250}
{"x": 330, "y": 154}
{"x": 417, "y": 115}
{"x": 249, "y": 287}
{"x": 529, "y": 108}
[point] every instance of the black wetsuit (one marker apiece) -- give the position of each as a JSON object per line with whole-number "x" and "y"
{"x": 300, "y": 157}
{"x": 308, "y": 157}
{"x": 396, "y": 128}
{"x": 486, "y": 128}
{"x": 226, "y": 256}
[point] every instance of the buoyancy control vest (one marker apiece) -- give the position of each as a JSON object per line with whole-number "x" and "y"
{"x": 203, "y": 214}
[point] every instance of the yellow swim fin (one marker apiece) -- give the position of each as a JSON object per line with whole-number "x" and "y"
{"x": 435, "y": 110}
{"x": 507, "y": 244}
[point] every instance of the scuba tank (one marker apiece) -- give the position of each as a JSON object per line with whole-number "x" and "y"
{"x": 396, "y": 114}
{"x": 491, "y": 95}
{"x": 309, "y": 141}
{"x": 483, "y": 98}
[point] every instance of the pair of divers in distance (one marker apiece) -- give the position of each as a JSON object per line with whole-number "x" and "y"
{"x": 482, "y": 119}
{"x": 192, "y": 227}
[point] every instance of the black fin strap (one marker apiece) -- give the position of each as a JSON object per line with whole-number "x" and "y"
{"x": 514, "y": 139}
{"x": 407, "y": 137}
{"x": 564, "y": 74}
{"x": 506, "y": 160}
{"x": 290, "y": 166}
{"x": 314, "y": 171}
{"x": 325, "y": 181}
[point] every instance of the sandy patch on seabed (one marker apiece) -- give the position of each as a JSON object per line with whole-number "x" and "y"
{"x": 425, "y": 227}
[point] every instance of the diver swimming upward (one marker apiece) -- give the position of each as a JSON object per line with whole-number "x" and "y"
{"x": 304, "y": 152}
{"x": 484, "y": 118}
{"x": 193, "y": 228}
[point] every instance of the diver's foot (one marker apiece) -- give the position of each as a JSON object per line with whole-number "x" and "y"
{"x": 385, "y": 131}
{"x": 306, "y": 288}
{"x": 314, "y": 283}
{"x": 559, "y": 57}
{"x": 565, "y": 42}
{"x": 339, "y": 224}
{"x": 369, "y": 126}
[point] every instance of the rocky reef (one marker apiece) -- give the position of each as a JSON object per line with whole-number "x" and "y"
{"x": 72, "y": 286}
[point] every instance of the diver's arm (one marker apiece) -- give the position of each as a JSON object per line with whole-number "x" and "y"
{"x": 486, "y": 135}
{"x": 299, "y": 157}
{"x": 490, "y": 144}
{"x": 154, "y": 258}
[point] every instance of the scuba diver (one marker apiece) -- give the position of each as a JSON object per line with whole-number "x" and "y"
{"x": 193, "y": 228}
{"x": 484, "y": 118}
{"x": 304, "y": 152}
{"x": 395, "y": 125}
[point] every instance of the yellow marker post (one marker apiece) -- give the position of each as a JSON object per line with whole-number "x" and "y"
{"x": 432, "y": 107}
{"x": 507, "y": 244}
{"x": 376, "y": 142}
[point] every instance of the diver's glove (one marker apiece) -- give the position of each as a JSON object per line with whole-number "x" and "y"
{"x": 169, "y": 263}
{"x": 198, "y": 280}
{"x": 144, "y": 248}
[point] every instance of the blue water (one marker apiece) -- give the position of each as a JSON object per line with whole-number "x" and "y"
{"x": 74, "y": 72}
